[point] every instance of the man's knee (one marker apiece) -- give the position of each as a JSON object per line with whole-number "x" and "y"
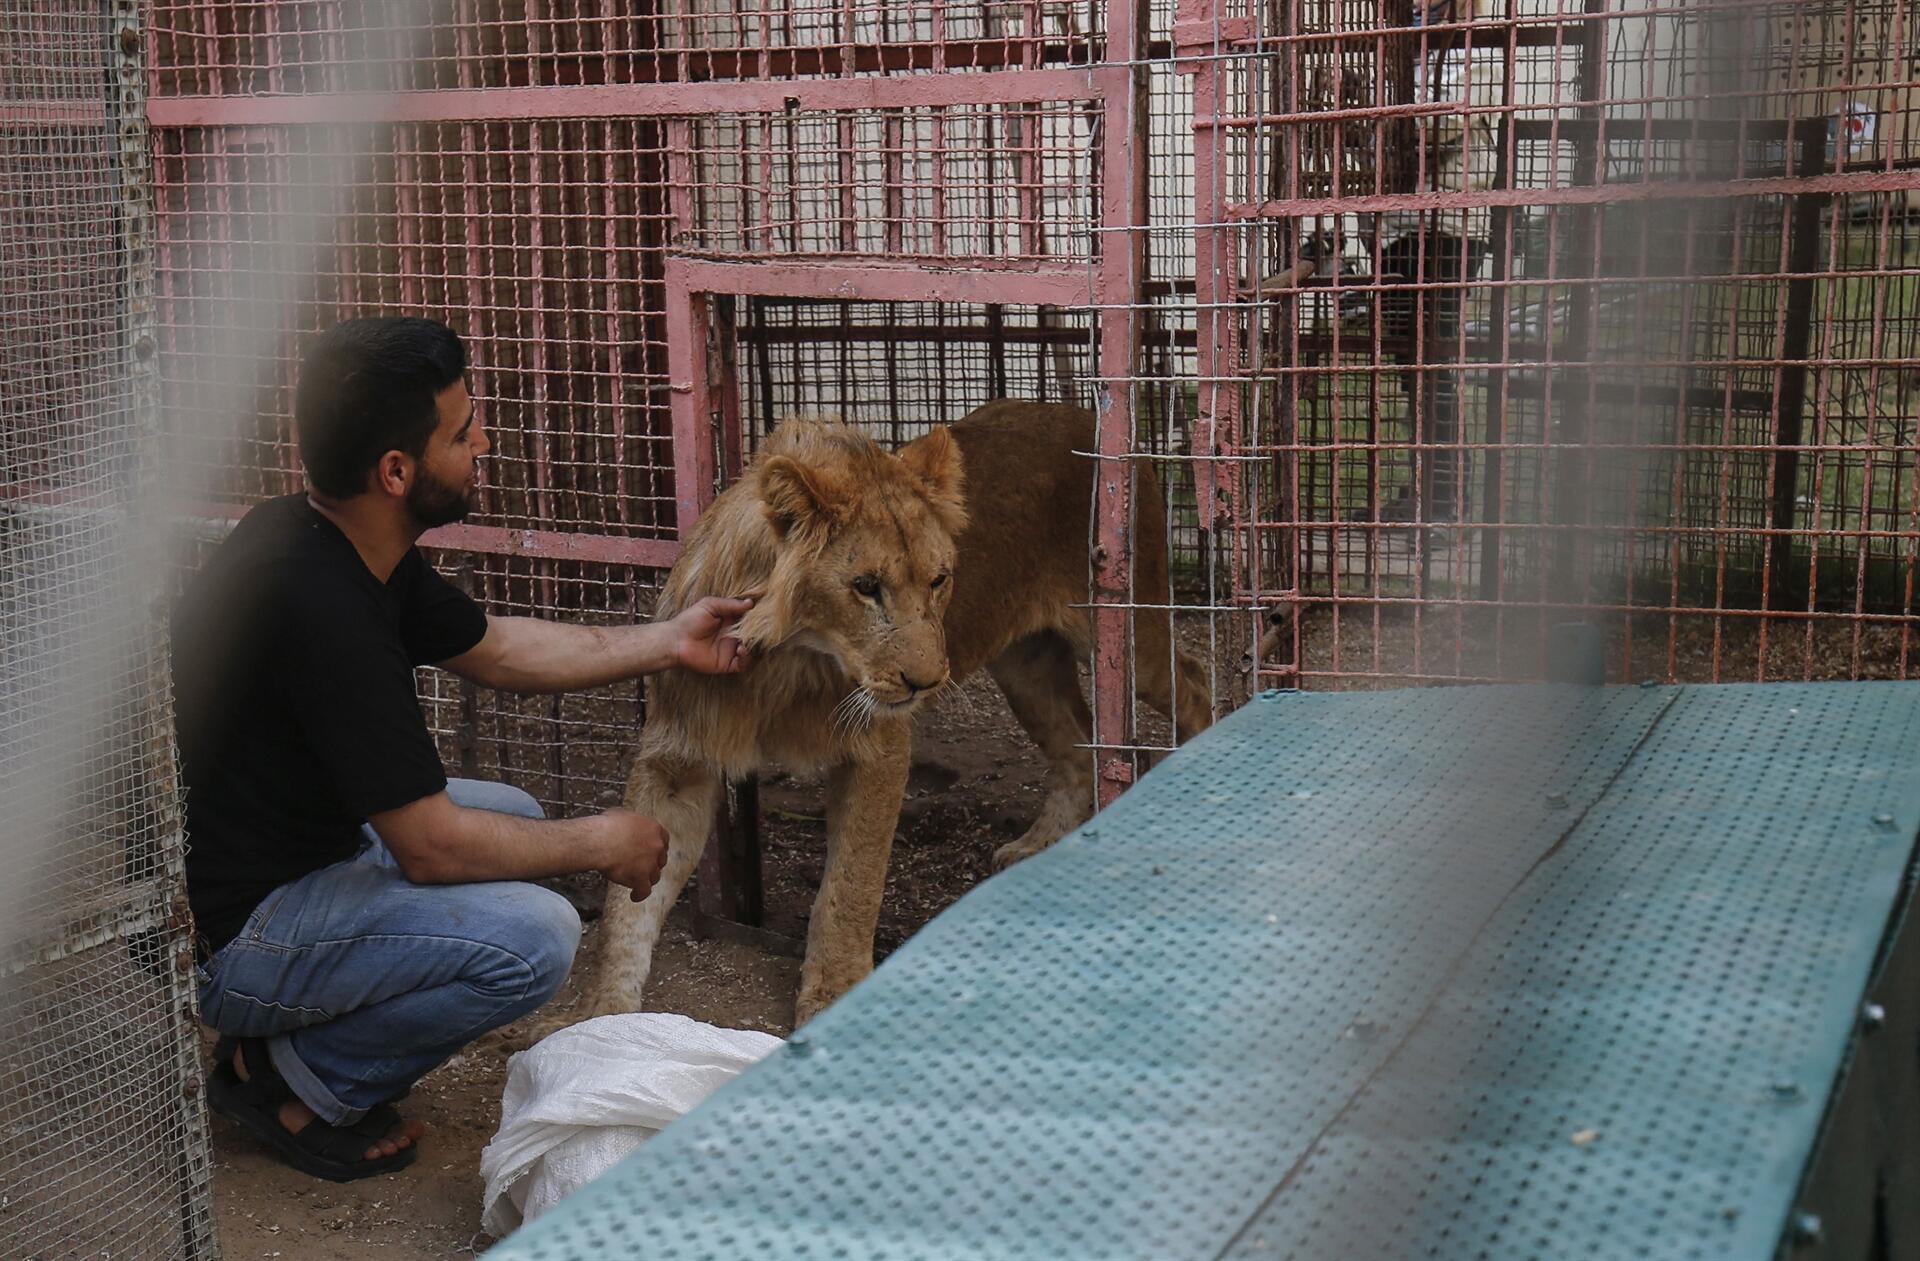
{"x": 542, "y": 929}
{"x": 486, "y": 794}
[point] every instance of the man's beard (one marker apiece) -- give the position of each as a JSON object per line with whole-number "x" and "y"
{"x": 432, "y": 502}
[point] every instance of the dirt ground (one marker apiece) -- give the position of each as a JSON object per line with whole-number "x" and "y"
{"x": 975, "y": 784}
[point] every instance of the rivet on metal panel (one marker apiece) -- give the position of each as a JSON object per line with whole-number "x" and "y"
{"x": 1090, "y": 833}
{"x": 1883, "y": 821}
{"x": 1649, "y": 683}
{"x": 1806, "y": 1228}
{"x": 799, "y": 1044}
{"x": 1872, "y": 1017}
{"x": 1786, "y": 1092}
{"x": 1558, "y": 801}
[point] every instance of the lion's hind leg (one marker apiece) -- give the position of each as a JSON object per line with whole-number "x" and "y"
{"x": 1040, "y": 677}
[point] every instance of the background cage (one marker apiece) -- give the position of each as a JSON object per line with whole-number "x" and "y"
{"x": 1441, "y": 322}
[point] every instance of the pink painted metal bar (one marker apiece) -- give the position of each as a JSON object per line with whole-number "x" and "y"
{"x": 1038, "y": 284}
{"x": 691, "y": 386}
{"x": 603, "y": 549}
{"x": 489, "y": 540}
{"x": 542, "y": 439}
{"x": 1216, "y": 428}
{"x": 630, "y": 100}
{"x": 611, "y": 307}
{"x": 893, "y": 192}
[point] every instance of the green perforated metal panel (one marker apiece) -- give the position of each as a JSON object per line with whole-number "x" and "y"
{"x": 1499, "y": 972}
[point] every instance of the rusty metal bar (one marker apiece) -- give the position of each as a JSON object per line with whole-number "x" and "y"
{"x": 1043, "y": 284}
{"x": 1852, "y": 183}
{"x": 1124, "y": 216}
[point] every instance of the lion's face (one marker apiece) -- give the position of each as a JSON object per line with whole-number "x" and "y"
{"x": 866, "y": 555}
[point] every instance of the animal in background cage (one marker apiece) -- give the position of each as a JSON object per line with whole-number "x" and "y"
{"x": 881, "y": 579}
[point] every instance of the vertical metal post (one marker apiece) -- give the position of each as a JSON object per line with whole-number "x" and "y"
{"x": 1216, "y": 428}
{"x": 730, "y": 883}
{"x": 1117, "y": 290}
{"x": 725, "y": 366}
{"x": 126, "y": 135}
{"x": 1500, "y": 236}
{"x": 1573, "y": 458}
{"x": 730, "y": 880}
{"x": 689, "y": 383}
{"x": 1804, "y": 212}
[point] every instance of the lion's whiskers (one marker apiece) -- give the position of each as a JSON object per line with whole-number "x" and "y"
{"x": 854, "y": 712}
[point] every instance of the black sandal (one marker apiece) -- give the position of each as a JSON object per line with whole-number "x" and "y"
{"x": 223, "y": 1063}
{"x": 334, "y": 1152}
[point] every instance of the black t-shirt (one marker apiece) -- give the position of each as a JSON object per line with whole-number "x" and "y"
{"x": 295, "y": 704}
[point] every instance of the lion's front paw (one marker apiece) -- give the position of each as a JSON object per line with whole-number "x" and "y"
{"x": 807, "y": 1006}
{"x": 816, "y": 996}
{"x": 604, "y": 1002}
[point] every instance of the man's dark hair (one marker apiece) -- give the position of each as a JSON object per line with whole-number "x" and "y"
{"x": 367, "y": 387}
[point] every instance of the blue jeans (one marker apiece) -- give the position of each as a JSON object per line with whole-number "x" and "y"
{"x": 363, "y": 982}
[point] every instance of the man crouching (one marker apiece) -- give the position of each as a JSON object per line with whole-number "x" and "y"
{"x": 360, "y": 917}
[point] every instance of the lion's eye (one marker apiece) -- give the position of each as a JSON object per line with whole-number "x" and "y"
{"x": 867, "y": 586}
{"x": 939, "y": 581}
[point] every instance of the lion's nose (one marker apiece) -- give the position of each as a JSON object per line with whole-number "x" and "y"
{"x": 915, "y": 688}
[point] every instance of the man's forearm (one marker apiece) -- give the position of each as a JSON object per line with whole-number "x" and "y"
{"x": 534, "y": 656}
{"x": 438, "y": 842}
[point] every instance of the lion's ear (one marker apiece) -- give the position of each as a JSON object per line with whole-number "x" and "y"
{"x": 935, "y": 461}
{"x": 799, "y": 498}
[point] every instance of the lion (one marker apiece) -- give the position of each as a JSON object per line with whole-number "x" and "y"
{"x": 879, "y": 580}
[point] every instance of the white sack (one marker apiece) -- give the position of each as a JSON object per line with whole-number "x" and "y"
{"x": 579, "y": 1101}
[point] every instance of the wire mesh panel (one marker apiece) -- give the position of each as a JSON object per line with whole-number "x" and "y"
{"x": 220, "y": 47}
{"x": 102, "y": 1140}
{"x": 972, "y": 182}
{"x": 540, "y": 240}
{"x": 898, "y": 368}
{"x": 1538, "y": 310}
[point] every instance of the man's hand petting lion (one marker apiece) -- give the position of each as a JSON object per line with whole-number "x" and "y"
{"x": 704, "y": 638}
